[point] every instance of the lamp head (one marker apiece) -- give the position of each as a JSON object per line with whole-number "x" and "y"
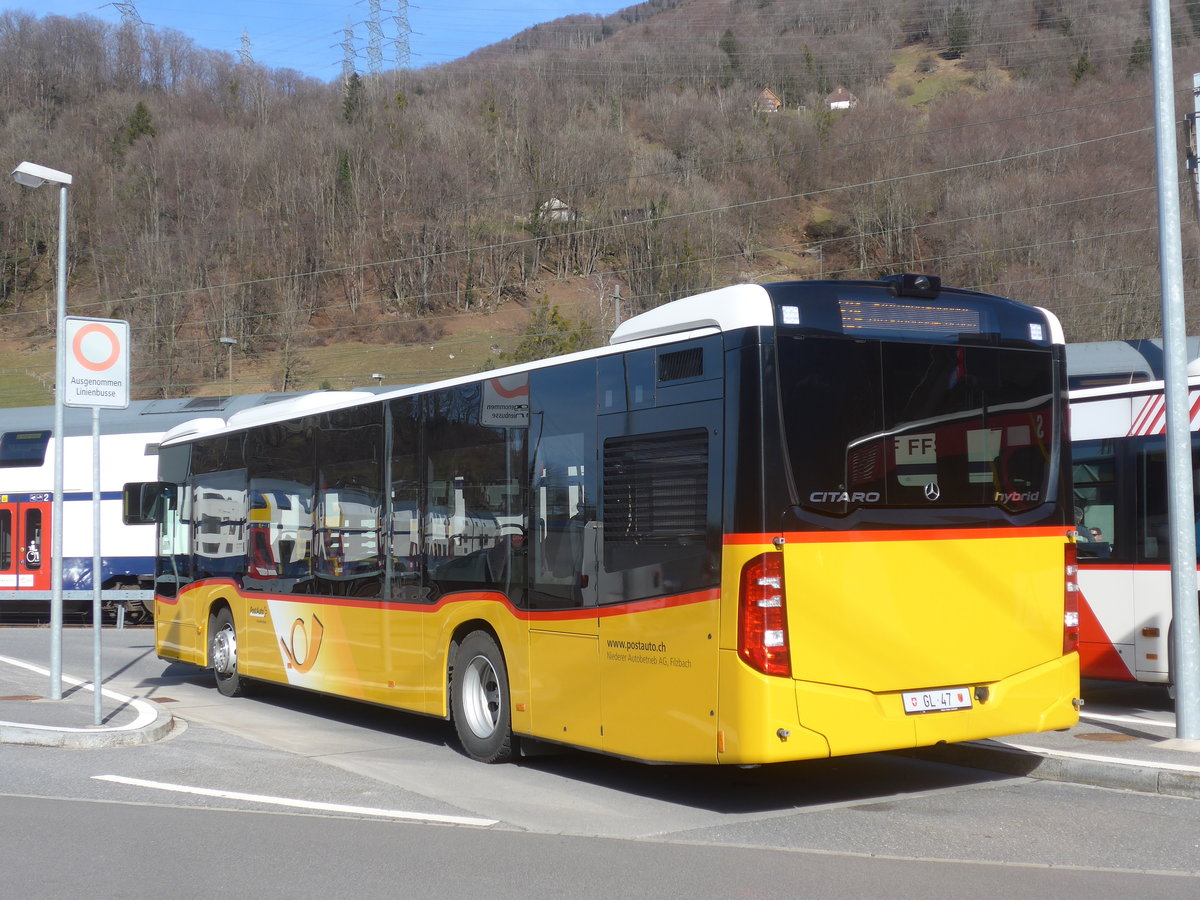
{"x": 32, "y": 175}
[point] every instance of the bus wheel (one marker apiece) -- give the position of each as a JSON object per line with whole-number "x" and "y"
{"x": 479, "y": 699}
{"x": 222, "y": 653}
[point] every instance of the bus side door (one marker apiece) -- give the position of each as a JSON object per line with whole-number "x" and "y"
{"x": 659, "y": 554}
{"x": 564, "y": 678}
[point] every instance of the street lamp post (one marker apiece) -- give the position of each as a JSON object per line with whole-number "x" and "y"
{"x": 34, "y": 176}
{"x": 230, "y": 343}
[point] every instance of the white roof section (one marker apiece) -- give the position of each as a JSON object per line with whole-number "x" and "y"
{"x": 195, "y": 428}
{"x": 327, "y": 401}
{"x": 305, "y": 405}
{"x": 726, "y": 309}
{"x": 1139, "y": 388}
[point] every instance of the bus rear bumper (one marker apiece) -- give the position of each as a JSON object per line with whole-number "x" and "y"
{"x": 827, "y": 720}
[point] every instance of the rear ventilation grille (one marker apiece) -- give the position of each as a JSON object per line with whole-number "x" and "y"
{"x": 656, "y": 488}
{"x": 681, "y": 364}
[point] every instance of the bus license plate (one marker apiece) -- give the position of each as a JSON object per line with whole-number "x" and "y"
{"x": 917, "y": 702}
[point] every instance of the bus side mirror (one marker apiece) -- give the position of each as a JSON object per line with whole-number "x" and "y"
{"x": 146, "y": 502}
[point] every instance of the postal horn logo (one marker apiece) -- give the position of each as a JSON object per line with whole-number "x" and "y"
{"x": 302, "y": 651}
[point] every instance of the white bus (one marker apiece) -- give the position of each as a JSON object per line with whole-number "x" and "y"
{"x": 1118, "y": 436}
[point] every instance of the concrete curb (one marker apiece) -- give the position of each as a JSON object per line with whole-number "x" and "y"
{"x": 1145, "y": 776}
{"x": 151, "y": 723}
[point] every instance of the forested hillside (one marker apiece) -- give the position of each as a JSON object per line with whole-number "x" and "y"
{"x": 340, "y": 230}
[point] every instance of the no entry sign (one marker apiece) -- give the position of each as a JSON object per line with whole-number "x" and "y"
{"x": 97, "y": 362}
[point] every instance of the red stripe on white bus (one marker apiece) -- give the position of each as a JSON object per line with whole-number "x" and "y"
{"x": 1098, "y": 658}
{"x": 1152, "y": 417}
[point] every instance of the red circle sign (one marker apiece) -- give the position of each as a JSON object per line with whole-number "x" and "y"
{"x": 105, "y": 332}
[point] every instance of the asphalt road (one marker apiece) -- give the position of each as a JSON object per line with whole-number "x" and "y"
{"x": 287, "y": 793}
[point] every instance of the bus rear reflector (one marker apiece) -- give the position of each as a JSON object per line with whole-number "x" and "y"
{"x": 1070, "y": 602}
{"x": 762, "y": 616}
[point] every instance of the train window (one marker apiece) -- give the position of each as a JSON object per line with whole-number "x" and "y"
{"x": 23, "y": 449}
{"x": 6, "y": 536}
{"x": 31, "y": 538}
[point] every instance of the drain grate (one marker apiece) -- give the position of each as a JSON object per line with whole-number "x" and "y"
{"x": 1106, "y": 736}
{"x": 22, "y": 697}
{"x": 164, "y": 700}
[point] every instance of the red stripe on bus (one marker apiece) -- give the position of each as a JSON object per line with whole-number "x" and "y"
{"x": 492, "y": 596}
{"x": 933, "y": 534}
{"x": 1143, "y": 422}
{"x": 1194, "y": 409}
{"x": 1098, "y": 658}
{"x": 1127, "y": 567}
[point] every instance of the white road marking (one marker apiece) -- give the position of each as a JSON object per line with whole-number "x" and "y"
{"x": 1091, "y": 757}
{"x": 300, "y": 804}
{"x": 146, "y": 713}
{"x": 1128, "y": 720}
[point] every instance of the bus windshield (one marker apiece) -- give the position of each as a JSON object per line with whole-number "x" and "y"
{"x": 876, "y": 423}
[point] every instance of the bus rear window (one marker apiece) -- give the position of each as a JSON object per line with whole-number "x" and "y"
{"x": 23, "y": 448}
{"x": 897, "y": 424}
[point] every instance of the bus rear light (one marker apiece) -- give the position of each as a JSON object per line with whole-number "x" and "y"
{"x": 762, "y": 616}
{"x": 1070, "y": 601}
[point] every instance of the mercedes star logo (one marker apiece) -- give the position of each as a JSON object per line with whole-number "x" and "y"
{"x": 932, "y": 491}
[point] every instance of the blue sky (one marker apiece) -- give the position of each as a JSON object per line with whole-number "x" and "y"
{"x": 307, "y": 34}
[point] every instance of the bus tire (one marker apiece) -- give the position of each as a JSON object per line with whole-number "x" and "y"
{"x": 479, "y": 700}
{"x": 222, "y": 653}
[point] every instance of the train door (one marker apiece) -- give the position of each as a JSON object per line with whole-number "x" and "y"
{"x": 24, "y": 544}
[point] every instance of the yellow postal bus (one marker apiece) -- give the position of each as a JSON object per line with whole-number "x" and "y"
{"x": 768, "y": 522}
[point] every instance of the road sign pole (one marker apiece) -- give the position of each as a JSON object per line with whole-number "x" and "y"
{"x": 97, "y": 574}
{"x": 97, "y": 376}
{"x": 1180, "y": 501}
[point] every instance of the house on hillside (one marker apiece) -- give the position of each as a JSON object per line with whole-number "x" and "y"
{"x": 555, "y": 210}
{"x": 841, "y": 99}
{"x": 767, "y": 101}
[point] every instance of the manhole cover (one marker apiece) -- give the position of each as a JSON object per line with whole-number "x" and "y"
{"x": 164, "y": 700}
{"x": 1105, "y": 736}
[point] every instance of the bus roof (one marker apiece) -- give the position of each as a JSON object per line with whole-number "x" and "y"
{"x": 140, "y": 417}
{"x": 726, "y": 309}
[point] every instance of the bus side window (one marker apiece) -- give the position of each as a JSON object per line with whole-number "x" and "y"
{"x": 472, "y": 504}
{"x": 1154, "y": 527}
{"x": 1152, "y": 524}
{"x": 562, "y": 559}
{"x": 346, "y": 543}
{"x": 280, "y": 526}
{"x": 1095, "y": 494}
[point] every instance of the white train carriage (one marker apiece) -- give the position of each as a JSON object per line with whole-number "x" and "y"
{"x": 128, "y": 452}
